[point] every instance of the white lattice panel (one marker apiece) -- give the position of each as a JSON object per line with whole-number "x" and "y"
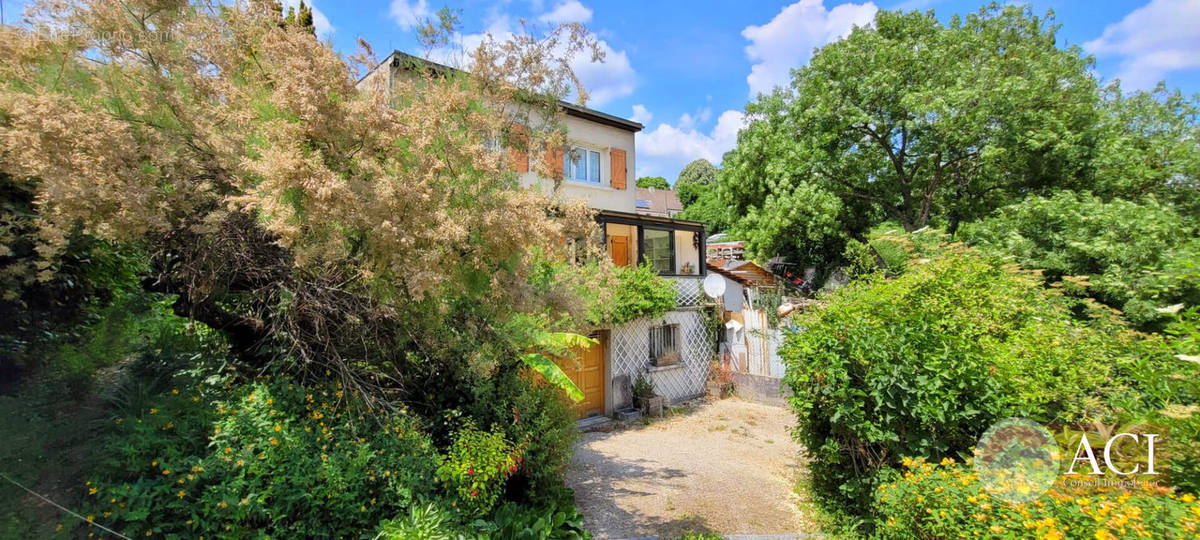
{"x": 630, "y": 355}
{"x": 690, "y": 292}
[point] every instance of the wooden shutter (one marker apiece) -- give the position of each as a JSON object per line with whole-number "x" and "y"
{"x": 518, "y": 149}
{"x": 554, "y": 161}
{"x": 618, "y": 168}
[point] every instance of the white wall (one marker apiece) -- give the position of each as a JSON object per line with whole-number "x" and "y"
{"x": 602, "y": 196}
{"x": 629, "y": 351}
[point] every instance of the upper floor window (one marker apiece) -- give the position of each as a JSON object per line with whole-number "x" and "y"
{"x": 582, "y": 165}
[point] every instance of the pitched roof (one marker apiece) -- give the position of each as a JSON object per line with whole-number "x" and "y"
{"x": 744, "y": 272}
{"x": 658, "y": 201}
{"x": 571, "y": 109}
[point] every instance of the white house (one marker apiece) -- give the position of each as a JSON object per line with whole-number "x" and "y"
{"x": 674, "y": 350}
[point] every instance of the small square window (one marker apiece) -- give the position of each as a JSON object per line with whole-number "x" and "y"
{"x": 664, "y": 345}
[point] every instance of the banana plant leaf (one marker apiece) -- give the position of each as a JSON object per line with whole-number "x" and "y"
{"x": 541, "y": 364}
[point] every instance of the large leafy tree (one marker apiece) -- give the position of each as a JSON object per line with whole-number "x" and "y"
{"x": 913, "y": 121}
{"x": 657, "y": 182}
{"x": 694, "y": 180}
{"x": 372, "y": 233}
{"x": 1149, "y": 144}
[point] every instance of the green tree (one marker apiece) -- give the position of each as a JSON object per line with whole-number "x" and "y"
{"x": 694, "y": 180}
{"x": 1134, "y": 256}
{"x": 1149, "y": 144}
{"x": 914, "y": 121}
{"x": 657, "y": 182}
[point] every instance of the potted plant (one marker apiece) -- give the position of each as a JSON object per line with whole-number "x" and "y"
{"x": 720, "y": 382}
{"x": 646, "y": 398}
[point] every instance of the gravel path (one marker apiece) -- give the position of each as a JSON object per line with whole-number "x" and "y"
{"x": 729, "y": 467}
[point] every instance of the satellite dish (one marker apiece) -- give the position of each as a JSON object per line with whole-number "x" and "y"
{"x": 714, "y": 286}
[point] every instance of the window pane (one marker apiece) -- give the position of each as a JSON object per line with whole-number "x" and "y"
{"x": 594, "y": 166}
{"x": 657, "y": 249}
{"x": 567, "y": 165}
{"x": 579, "y": 163}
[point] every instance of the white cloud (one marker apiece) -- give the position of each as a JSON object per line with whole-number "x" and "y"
{"x": 788, "y": 40}
{"x": 605, "y": 81}
{"x": 1152, "y": 41}
{"x": 641, "y": 114}
{"x": 669, "y": 147}
{"x": 320, "y": 21}
{"x": 408, "y": 14}
{"x": 570, "y": 11}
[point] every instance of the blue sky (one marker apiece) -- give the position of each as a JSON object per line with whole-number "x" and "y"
{"x": 686, "y": 69}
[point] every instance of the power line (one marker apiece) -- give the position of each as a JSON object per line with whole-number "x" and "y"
{"x": 56, "y": 505}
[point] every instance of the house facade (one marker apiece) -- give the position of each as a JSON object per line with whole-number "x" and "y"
{"x": 673, "y": 351}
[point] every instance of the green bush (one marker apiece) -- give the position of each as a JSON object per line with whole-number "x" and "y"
{"x": 638, "y": 292}
{"x": 557, "y": 519}
{"x": 1136, "y": 256}
{"x": 946, "y": 500}
{"x": 475, "y": 467}
{"x": 272, "y": 457}
{"x": 920, "y": 365}
{"x": 534, "y": 416}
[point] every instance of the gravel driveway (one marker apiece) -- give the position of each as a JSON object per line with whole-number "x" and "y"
{"x": 728, "y": 467}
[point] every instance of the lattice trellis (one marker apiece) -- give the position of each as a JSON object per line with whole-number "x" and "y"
{"x": 630, "y": 355}
{"x": 690, "y": 292}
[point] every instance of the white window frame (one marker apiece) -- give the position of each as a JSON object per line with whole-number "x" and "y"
{"x": 569, "y": 172}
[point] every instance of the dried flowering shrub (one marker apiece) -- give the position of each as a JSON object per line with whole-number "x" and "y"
{"x": 301, "y": 215}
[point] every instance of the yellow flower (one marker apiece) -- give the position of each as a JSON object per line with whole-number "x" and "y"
{"x": 274, "y": 441}
{"x": 241, "y": 462}
{"x": 907, "y": 461}
{"x": 947, "y": 461}
{"x": 91, "y": 491}
{"x": 153, "y": 411}
{"x": 175, "y": 391}
{"x": 180, "y": 494}
{"x": 1187, "y": 497}
{"x": 166, "y": 471}
{"x": 91, "y": 518}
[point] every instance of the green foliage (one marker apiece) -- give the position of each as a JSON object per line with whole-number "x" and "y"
{"x": 638, "y": 292}
{"x": 475, "y": 467}
{"x": 643, "y": 387}
{"x": 555, "y": 520}
{"x": 271, "y": 457}
{"x": 921, "y": 364}
{"x": 1134, "y": 256}
{"x": 910, "y": 120}
{"x": 535, "y": 417}
{"x": 423, "y": 522}
{"x": 656, "y": 182}
{"x": 707, "y": 208}
{"x": 946, "y": 501}
{"x": 1149, "y": 144}
{"x": 694, "y": 180}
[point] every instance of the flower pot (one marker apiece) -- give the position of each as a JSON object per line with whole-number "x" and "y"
{"x": 653, "y": 405}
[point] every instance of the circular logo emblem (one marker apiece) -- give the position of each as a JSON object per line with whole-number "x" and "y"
{"x": 1017, "y": 460}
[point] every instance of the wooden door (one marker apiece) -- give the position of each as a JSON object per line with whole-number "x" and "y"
{"x": 586, "y": 370}
{"x": 618, "y": 250}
